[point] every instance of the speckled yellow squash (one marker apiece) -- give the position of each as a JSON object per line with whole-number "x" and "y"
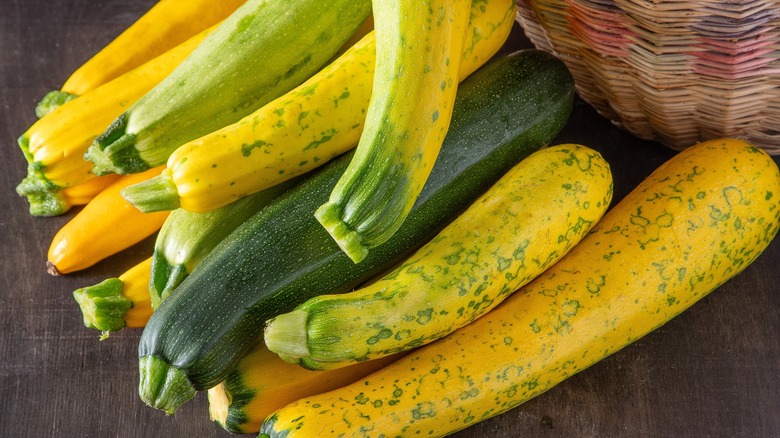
{"x": 697, "y": 221}
{"x": 527, "y": 221}
{"x": 418, "y": 46}
{"x": 262, "y": 383}
{"x": 166, "y": 25}
{"x": 303, "y": 129}
{"x": 54, "y": 146}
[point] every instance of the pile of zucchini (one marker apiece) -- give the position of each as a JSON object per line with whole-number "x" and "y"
{"x": 447, "y": 269}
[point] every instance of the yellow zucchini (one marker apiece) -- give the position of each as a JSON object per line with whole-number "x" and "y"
{"x": 262, "y": 383}
{"x": 303, "y": 129}
{"x": 105, "y": 226}
{"x": 55, "y": 145}
{"x": 697, "y": 221}
{"x": 166, "y": 25}
{"x": 418, "y": 57}
{"x": 116, "y": 303}
{"x": 527, "y": 221}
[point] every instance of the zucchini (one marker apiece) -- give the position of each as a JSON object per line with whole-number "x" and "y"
{"x": 264, "y": 49}
{"x": 527, "y": 221}
{"x": 697, "y": 221}
{"x": 418, "y": 47}
{"x": 185, "y": 238}
{"x": 282, "y": 256}
{"x": 262, "y": 383}
{"x": 299, "y": 131}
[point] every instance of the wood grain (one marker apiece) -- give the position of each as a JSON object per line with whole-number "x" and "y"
{"x": 712, "y": 372}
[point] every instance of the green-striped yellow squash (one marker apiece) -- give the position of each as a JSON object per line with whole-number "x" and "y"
{"x": 301, "y": 130}
{"x": 527, "y": 221}
{"x": 697, "y": 221}
{"x": 418, "y": 46}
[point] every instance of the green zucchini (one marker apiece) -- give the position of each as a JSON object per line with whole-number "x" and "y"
{"x": 186, "y": 238}
{"x": 282, "y": 256}
{"x": 261, "y": 51}
{"x": 418, "y": 47}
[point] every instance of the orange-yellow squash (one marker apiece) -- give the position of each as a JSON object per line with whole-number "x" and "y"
{"x": 106, "y": 225}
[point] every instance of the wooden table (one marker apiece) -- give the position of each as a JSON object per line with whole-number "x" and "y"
{"x": 712, "y": 372}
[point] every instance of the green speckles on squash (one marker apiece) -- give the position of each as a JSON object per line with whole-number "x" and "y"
{"x": 246, "y": 149}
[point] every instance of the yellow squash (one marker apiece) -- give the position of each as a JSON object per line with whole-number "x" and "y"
{"x": 166, "y": 25}
{"x": 262, "y": 383}
{"x": 105, "y": 226}
{"x": 521, "y": 226}
{"x": 54, "y": 146}
{"x": 320, "y": 119}
{"x": 697, "y": 221}
{"x": 116, "y": 303}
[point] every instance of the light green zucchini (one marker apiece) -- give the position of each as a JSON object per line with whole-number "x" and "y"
{"x": 264, "y": 49}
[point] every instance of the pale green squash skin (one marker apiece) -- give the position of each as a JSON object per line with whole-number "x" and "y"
{"x": 264, "y": 49}
{"x": 696, "y": 222}
{"x": 418, "y": 46}
{"x": 527, "y": 221}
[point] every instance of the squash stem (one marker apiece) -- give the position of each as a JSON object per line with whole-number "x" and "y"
{"x": 103, "y": 306}
{"x": 155, "y": 194}
{"x": 115, "y": 146}
{"x": 48, "y": 203}
{"x": 163, "y": 386}
{"x": 286, "y": 336}
{"x": 53, "y": 100}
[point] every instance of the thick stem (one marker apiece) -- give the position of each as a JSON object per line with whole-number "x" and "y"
{"x": 163, "y": 386}
{"x": 155, "y": 194}
{"x": 103, "y": 306}
{"x": 286, "y": 336}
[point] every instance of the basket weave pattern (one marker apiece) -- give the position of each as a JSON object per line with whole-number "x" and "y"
{"x": 668, "y": 70}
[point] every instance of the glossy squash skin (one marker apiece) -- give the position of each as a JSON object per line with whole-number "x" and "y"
{"x": 697, "y": 221}
{"x": 105, "y": 226}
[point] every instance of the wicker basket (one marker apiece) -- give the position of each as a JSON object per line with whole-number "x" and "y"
{"x": 673, "y": 71}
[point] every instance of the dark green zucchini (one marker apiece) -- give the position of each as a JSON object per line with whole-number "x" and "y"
{"x": 282, "y": 256}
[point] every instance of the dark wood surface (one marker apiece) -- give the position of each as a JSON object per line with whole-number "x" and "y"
{"x": 714, "y": 371}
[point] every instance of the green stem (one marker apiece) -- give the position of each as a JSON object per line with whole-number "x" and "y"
{"x": 103, "y": 306}
{"x": 53, "y": 100}
{"x": 155, "y": 194}
{"x": 163, "y": 386}
{"x": 114, "y": 151}
{"x": 47, "y": 203}
{"x": 286, "y": 336}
